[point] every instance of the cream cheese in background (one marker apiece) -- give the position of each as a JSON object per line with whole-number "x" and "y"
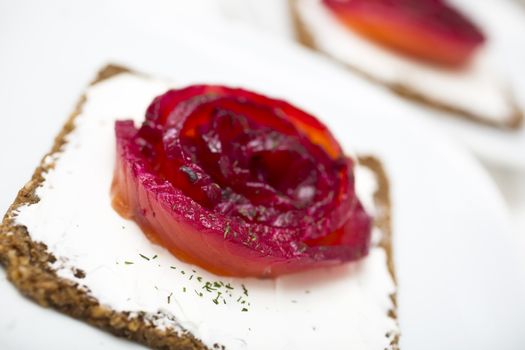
{"x": 479, "y": 89}
{"x": 345, "y": 307}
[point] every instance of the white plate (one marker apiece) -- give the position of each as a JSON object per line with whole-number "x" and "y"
{"x": 460, "y": 284}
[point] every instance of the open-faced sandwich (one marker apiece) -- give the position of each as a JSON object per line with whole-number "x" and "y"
{"x": 425, "y": 50}
{"x": 205, "y": 216}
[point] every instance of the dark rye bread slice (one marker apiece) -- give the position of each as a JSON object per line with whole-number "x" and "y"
{"x": 512, "y": 122}
{"x": 27, "y": 262}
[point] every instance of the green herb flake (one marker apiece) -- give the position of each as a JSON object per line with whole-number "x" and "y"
{"x": 173, "y": 268}
{"x": 128, "y": 262}
{"x": 302, "y": 247}
{"x": 191, "y": 175}
{"x": 216, "y": 300}
{"x": 199, "y": 279}
{"x": 184, "y": 289}
{"x": 191, "y": 277}
{"x": 228, "y": 286}
{"x": 154, "y": 257}
{"x": 169, "y": 298}
{"x": 253, "y": 236}
{"x": 144, "y": 257}
{"x": 244, "y": 309}
{"x": 183, "y": 272}
{"x": 227, "y": 230}
{"x": 244, "y": 290}
{"x": 208, "y": 286}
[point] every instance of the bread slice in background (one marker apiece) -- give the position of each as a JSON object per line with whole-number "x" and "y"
{"x": 31, "y": 266}
{"x": 398, "y": 73}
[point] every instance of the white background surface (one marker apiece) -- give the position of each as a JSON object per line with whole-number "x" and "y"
{"x": 48, "y": 53}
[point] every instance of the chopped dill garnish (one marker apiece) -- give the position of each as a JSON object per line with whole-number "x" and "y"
{"x": 209, "y": 287}
{"x": 244, "y": 309}
{"x": 216, "y": 300}
{"x": 191, "y": 175}
{"x": 128, "y": 262}
{"x": 302, "y": 247}
{"x": 239, "y": 299}
{"x": 228, "y": 286}
{"x": 183, "y": 272}
{"x": 184, "y": 289}
{"x": 198, "y": 293}
{"x": 191, "y": 277}
{"x": 173, "y": 267}
{"x": 169, "y": 297}
{"x": 227, "y": 230}
{"x": 244, "y": 290}
{"x": 253, "y": 236}
{"x": 144, "y": 257}
{"x": 199, "y": 279}
{"x": 154, "y": 257}
{"x": 217, "y": 284}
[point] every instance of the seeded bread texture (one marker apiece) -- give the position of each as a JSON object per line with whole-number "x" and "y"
{"x": 513, "y": 121}
{"x": 28, "y": 263}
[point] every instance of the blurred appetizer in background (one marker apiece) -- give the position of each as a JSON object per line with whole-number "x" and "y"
{"x": 425, "y": 50}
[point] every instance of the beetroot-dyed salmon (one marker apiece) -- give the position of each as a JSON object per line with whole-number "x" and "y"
{"x": 239, "y": 183}
{"x": 428, "y": 29}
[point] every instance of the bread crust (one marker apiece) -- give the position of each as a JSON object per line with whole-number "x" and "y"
{"x": 28, "y": 262}
{"x": 514, "y": 121}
